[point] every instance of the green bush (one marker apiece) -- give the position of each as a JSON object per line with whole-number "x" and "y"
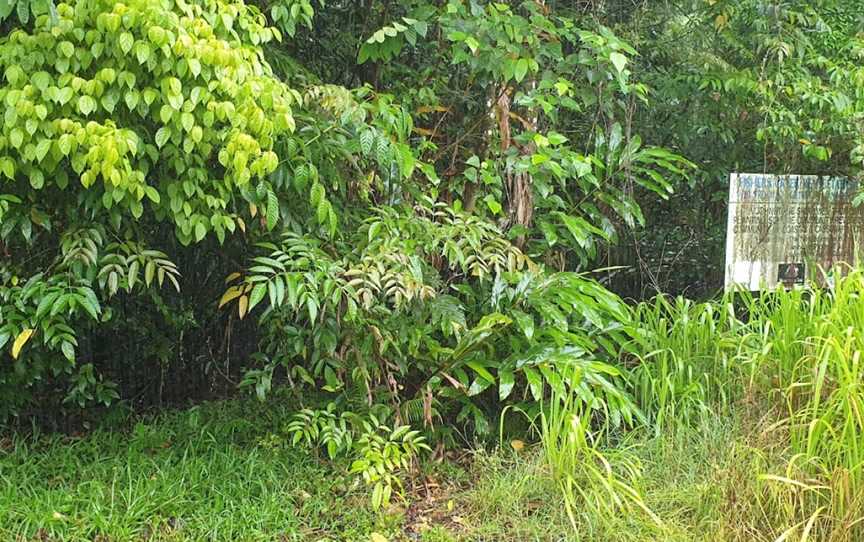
{"x": 123, "y": 123}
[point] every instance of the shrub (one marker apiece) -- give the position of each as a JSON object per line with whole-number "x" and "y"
{"x": 122, "y": 123}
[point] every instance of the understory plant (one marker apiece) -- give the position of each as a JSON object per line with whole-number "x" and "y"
{"x": 436, "y": 314}
{"x": 379, "y": 453}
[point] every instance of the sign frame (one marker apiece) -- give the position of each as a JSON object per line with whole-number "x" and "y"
{"x": 790, "y": 230}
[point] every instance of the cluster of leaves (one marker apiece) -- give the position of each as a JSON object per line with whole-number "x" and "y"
{"x": 806, "y": 90}
{"x": 387, "y": 42}
{"x": 378, "y": 453}
{"x": 52, "y": 306}
{"x": 172, "y": 101}
{"x": 289, "y": 14}
{"x": 436, "y": 313}
{"x": 415, "y": 295}
{"x": 24, "y": 9}
{"x": 554, "y": 156}
{"x": 738, "y": 85}
{"x": 121, "y": 123}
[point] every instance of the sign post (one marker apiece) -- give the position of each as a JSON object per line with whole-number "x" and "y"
{"x": 788, "y": 229}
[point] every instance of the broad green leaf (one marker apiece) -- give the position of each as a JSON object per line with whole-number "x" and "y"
{"x": 257, "y": 295}
{"x": 152, "y": 194}
{"x": 493, "y": 204}
{"x": 525, "y": 323}
{"x": 187, "y": 120}
{"x": 505, "y": 383}
{"x": 90, "y": 305}
{"x": 68, "y": 351}
{"x": 618, "y": 60}
{"x": 162, "y": 136}
{"x": 16, "y": 138}
{"x": 272, "y": 210}
{"x": 142, "y": 52}
{"x": 7, "y": 167}
{"x": 521, "y": 69}
{"x": 37, "y": 179}
{"x": 46, "y": 304}
{"x": 481, "y": 370}
{"x": 126, "y": 41}
{"x": 66, "y": 48}
{"x": 200, "y": 230}
{"x": 86, "y": 105}
{"x": 41, "y": 80}
{"x": 42, "y": 149}
{"x": 535, "y": 382}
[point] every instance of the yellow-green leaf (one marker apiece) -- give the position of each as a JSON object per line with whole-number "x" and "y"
{"x": 521, "y": 69}
{"x": 231, "y": 293}
{"x": 126, "y": 41}
{"x": 20, "y": 341}
{"x": 618, "y": 60}
{"x": 86, "y": 105}
{"x": 257, "y": 295}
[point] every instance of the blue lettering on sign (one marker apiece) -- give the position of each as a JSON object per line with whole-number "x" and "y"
{"x": 801, "y": 187}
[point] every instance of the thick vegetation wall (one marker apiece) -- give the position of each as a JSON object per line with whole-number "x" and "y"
{"x": 395, "y": 203}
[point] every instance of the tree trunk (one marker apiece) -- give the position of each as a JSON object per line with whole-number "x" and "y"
{"x": 520, "y": 195}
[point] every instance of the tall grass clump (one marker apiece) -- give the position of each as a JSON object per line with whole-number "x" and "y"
{"x": 684, "y": 359}
{"x": 591, "y": 477}
{"x": 794, "y": 359}
{"x": 810, "y": 362}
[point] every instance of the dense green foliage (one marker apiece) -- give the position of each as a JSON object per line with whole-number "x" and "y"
{"x": 149, "y": 133}
{"x": 122, "y": 122}
{"x": 401, "y": 206}
{"x": 738, "y": 85}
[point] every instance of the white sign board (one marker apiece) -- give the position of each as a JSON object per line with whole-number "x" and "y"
{"x": 788, "y": 229}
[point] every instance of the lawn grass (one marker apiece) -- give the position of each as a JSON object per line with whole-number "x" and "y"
{"x": 220, "y": 472}
{"x": 208, "y": 473}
